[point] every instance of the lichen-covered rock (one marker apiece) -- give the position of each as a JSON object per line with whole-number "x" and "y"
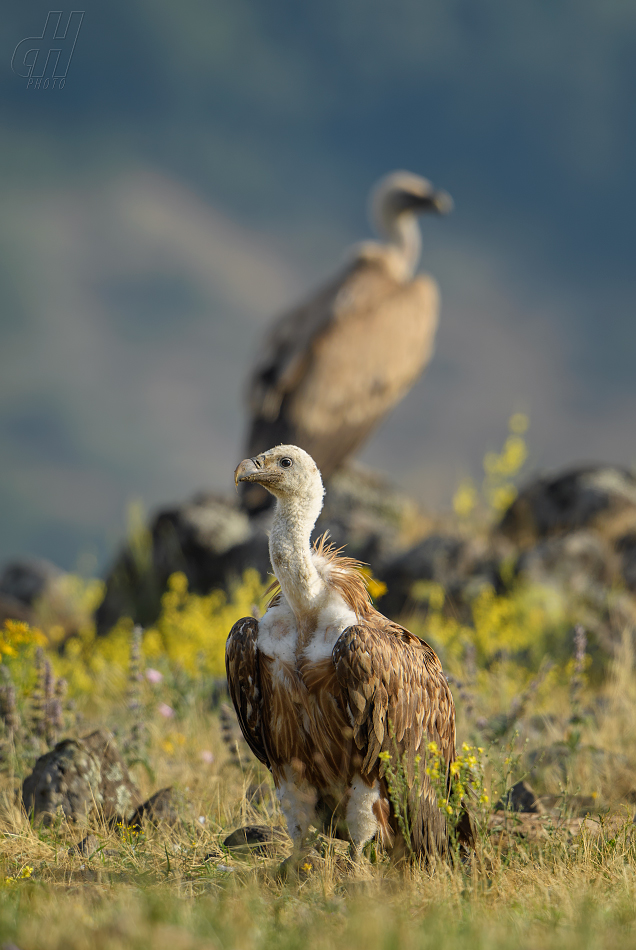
{"x": 626, "y": 550}
{"x": 27, "y": 580}
{"x": 257, "y": 839}
{"x": 462, "y": 567}
{"x": 65, "y": 780}
{"x": 601, "y": 497}
{"x": 521, "y": 798}
{"x": 85, "y": 847}
{"x": 208, "y": 538}
{"x": 13, "y": 609}
{"x": 165, "y": 807}
{"x": 437, "y": 558}
{"x": 76, "y": 777}
{"x": 119, "y": 794}
{"x": 581, "y": 562}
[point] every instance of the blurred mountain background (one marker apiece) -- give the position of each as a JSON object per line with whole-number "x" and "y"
{"x": 207, "y": 163}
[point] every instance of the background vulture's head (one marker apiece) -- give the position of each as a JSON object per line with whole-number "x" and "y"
{"x": 403, "y": 192}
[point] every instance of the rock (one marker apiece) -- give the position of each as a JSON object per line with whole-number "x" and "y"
{"x": 86, "y": 846}
{"x": 461, "y": 567}
{"x": 260, "y": 794}
{"x": 520, "y": 798}
{"x": 13, "y": 609}
{"x": 66, "y": 778}
{"x": 257, "y": 839}
{"x": 208, "y": 538}
{"x": 601, "y": 497}
{"x": 120, "y": 796}
{"x": 626, "y": 550}
{"x": 77, "y": 776}
{"x": 370, "y": 516}
{"x": 577, "y": 529}
{"x": 27, "y": 580}
{"x": 436, "y": 558}
{"x": 581, "y": 562}
{"x": 164, "y": 807}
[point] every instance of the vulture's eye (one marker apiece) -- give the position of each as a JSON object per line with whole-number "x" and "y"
{"x": 286, "y": 463}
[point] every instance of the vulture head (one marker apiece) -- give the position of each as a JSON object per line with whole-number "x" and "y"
{"x": 395, "y": 202}
{"x": 288, "y": 473}
{"x": 401, "y": 193}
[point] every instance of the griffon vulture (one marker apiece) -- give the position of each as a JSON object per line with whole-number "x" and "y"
{"x": 323, "y": 684}
{"x": 330, "y": 369}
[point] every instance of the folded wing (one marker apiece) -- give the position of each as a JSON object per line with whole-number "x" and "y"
{"x": 242, "y": 665}
{"x": 399, "y": 701}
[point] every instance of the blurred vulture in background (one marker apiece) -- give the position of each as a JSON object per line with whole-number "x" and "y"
{"x": 331, "y": 369}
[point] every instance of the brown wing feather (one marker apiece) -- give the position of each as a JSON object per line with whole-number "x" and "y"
{"x": 242, "y": 664}
{"x": 399, "y": 701}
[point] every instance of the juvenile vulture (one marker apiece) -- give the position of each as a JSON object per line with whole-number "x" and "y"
{"x": 323, "y": 684}
{"x": 330, "y": 369}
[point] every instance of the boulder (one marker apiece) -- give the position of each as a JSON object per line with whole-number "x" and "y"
{"x": 208, "y": 538}
{"x": 626, "y": 550}
{"x": 436, "y": 558}
{"x": 592, "y": 509}
{"x": 65, "y": 780}
{"x": 521, "y": 798}
{"x": 581, "y": 562}
{"x": 13, "y": 609}
{"x": 27, "y": 580}
{"x": 599, "y": 497}
{"x": 77, "y": 776}
{"x": 119, "y": 794}
{"x": 462, "y": 567}
{"x": 257, "y": 839}
{"x": 164, "y": 807}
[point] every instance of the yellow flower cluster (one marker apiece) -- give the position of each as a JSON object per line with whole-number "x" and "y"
{"x": 499, "y": 469}
{"x": 375, "y": 587}
{"x": 466, "y": 772}
{"x": 190, "y": 633}
{"x": 22, "y": 875}
{"x": 192, "y": 630}
{"x": 518, "y": 625}
{"x": 16, "y": 635}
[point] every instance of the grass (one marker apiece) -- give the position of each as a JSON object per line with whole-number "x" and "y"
{"x": 180, "y": 888}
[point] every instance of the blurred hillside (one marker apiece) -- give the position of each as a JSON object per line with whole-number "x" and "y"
{"x": 207, "y": 163}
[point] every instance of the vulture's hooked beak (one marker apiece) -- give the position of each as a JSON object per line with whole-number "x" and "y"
{"x": 246, "y": 471}
{"x": 435, "y": 201}
{"x": 442, "y": 202}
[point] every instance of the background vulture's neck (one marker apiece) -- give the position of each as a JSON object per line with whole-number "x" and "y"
{"x": 290, "y": 553}
{"x": 403, "y": 238}
{"x": 403, "y": 232}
